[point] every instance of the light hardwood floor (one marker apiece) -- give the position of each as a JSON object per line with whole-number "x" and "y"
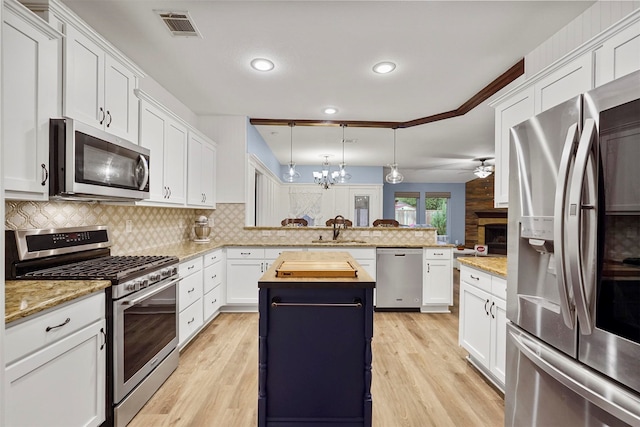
{"x": 420, "y": 376}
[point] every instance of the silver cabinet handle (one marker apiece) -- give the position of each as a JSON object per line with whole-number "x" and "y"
{"x": 474, "y": 277}
{"x": 562, "y": 278}
{"x": 428, "y": 268}
{"x": 110, "y": 118}
{"x": 493, "y": 304}
{"x": 105, "y": 338}
{"x": 580, "y": 216}
{"x": 191, "y": 321}
{"x": 103, "y": 115}
{"x": 49, "y": 328}
{"x": 169, "y": 189}
{"x": 485, "y": 307}
{"x": 191, "y": 267}
{"x": 45, "y": 174}
{"x": 191, "y": 290}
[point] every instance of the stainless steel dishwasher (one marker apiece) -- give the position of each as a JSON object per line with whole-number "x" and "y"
{"x": 398, "y": 278}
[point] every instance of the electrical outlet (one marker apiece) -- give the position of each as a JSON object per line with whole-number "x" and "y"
{"x": 418, "y": 233}
{"x": 281, "y": 233}
{"x": 128, "y": 226}
{"x": 266, "y": 233}
{"x": 377, "y": 233}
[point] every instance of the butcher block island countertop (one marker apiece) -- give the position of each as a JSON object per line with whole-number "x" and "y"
{"x": 317, "y": 262}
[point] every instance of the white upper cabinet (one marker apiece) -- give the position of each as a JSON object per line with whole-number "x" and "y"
{"x": 619, "y": 55}
{"x": 167, "y": 140}
{"x": 99, "y": 88}
{"x": 509, "y": 113}
{"x": 564, "y": 83}
{"x": 29, "y": 99}
{"x": 201, "y": 172}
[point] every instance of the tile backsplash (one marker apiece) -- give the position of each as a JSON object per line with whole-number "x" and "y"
{"x": 150, "y": 226}
{"x": 158, "y": 226}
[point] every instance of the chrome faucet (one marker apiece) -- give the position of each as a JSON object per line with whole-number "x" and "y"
{"x": 336, "y": 227}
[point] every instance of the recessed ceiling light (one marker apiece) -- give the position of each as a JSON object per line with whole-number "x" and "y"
{"x": 384, "y": 67}
{"x": 262, "y": 64}
{"x": 330, "y": 110}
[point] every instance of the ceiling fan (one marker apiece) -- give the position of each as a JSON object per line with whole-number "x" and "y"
{"x": 464, "y": 166}
{"x": 483, "y": 171}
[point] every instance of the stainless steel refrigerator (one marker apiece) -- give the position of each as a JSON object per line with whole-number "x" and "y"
{"x": 573, "y": 296}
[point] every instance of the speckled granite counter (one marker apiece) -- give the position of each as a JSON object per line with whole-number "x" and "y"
{"x": 189, "y": 250}
{"x": 493, "y": 265}
{"x": 27, "y": 297}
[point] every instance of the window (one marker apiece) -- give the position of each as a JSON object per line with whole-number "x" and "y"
{"x": 437, "y": 213}
{"x": 406, "y": 205}
{"x": 361, "y": 211}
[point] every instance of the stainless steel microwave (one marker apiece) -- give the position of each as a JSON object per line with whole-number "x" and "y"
{"x": 89, "y": 164}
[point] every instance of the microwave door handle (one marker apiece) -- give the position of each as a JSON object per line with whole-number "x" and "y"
{"x": 563, "y": 279}
{"x": 582, "y": 278}
{"x": 145, "y": 165}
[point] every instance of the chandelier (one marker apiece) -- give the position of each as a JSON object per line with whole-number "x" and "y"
{"x": 325, "y": 178}
{"x": 483, "y": 170}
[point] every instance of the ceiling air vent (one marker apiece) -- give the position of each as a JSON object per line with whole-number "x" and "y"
{"x": 179, "y": 23}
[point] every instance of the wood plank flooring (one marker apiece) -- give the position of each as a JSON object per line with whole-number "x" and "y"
{"x": 420, "y": 376}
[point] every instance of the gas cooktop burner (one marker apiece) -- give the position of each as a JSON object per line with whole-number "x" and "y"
{"x": 106, "y": 268}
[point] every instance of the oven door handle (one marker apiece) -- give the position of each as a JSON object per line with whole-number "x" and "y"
{"x": 154, "y": 291}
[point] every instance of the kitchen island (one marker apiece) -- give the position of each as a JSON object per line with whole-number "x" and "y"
{"x": 315, "y": 342}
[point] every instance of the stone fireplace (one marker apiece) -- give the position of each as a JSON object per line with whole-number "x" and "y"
{"x": 492, "y": 231}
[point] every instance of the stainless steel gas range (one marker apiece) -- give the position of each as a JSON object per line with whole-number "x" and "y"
{"x": 142, "y": 315}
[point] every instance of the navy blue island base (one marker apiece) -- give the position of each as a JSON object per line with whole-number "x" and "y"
{"x": 315, "y": 349}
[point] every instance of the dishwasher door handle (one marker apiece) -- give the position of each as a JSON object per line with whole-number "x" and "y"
{"x": 399, "y": 254}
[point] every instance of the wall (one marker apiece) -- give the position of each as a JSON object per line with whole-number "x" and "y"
{"x": 257, "y": 146}
{"x": 152, "y": 226}
{"x": 479, "y": 197}
{"x": 456, "y": 204}
{"x": 590, "y": 23}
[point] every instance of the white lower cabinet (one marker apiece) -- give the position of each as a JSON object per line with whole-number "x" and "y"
{"x": 483, "y": 322}
{"x": 437, "y": 281}
{"x": 213, "y": 300}
{"x": 58, "y": 377}
{"x": 244, "y": 267}
{"x": 190, "y": 319}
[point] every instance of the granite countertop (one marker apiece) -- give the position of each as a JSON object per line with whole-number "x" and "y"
{"x": 493, "y": 265}
{"x": 27, "y": 297}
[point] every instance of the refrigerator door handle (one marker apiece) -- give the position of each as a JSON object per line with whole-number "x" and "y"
{"x": 563, "y": 279}
{"x": 581, "y": 279}
{"x": 591, "y": 386}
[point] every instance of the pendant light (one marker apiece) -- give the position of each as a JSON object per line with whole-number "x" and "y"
{"x": 342, "y": 176}
{"x": 394, "y": 177}
{"x": 291, "y": 175}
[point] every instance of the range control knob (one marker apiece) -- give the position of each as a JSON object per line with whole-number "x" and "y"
{"x": 132, "y": 286}
{"x": 165, "y": 272}
{"x": 174, "y": 270}
{"x": 144, "y": 283}
{"x": 155, "y": 277}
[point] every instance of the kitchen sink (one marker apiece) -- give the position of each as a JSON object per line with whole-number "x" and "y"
{"x": 337, "y": 242}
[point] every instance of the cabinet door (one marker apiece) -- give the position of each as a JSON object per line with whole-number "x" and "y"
{"x": 516, "y": 109}
{"x": 152, "y": 136}
{"x": 619, "y": 55}
{"x": 242, "y": 280}
{"x": 190, "y": 290}
{"x": 201, "y": 172}
{"x": 565, "y": 83}
{"x": 438, "y": 282}
{"x": 474, "y": 332}
{"x": 175, "y": 152}
{"x": 64, "y": 382}
{"x": 120, "y": 103}
{"x": 84, "y": 79}
{"x": 29, "y": 99}
{"x": 209, "y": 158}
{"x": 498, "y": 338}
{"x": 189, "y": 322}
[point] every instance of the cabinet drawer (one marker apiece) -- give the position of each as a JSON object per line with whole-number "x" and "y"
{"x": 273, "y": 253}
{"x": 499, "y": 287}
{"x": 189, "y": 267}
{"x": 245, "y": 253}
{"x": 189, "y": 322}
{"x": 190, "y": 290}
{"x": 27, "y": 337}
{"x": 434, "y": 253}
{"x": 212, "y": 302}
{"x": 476, "y": 278}
{"x": 212, "y": 276}
{"x": 213, "y": 257}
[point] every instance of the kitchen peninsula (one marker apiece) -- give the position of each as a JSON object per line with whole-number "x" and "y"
{"x": 316, "y": 325}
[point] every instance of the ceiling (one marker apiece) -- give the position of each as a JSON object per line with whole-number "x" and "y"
{"x": 324, "y": 51}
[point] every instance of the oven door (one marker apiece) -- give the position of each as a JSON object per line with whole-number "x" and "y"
{"x": 611, "y": 311}
{"x": 145, "y": 326}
